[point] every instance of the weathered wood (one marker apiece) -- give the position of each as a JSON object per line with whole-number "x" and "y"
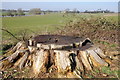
{"x": 84, "y": 59}
{"x": 62, "y": 60}
{"x": 97, "y": 58}
{"x": 32, "y": 49}
{"x": 40, "y": 58}
{"x": 72, "y": 56}
{"x": 5, "y": 64}
{"x": 29, "y": 61}
{"x": 99, "y": 52}
{"x": 13, "y": 56}
{"x": 78, "y": 75}
{"x": 18, "y": 62}
{"x": 17, "y": 46}
{"x": 1, "y": 65}
{"x": 79, "y": 66}
{"x": 24, "y": 58}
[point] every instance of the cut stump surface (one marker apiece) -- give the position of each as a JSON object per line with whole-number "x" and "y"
{"x": 70, "y": 55}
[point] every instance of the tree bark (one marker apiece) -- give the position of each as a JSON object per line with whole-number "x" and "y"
{"x": 72, "y": 56}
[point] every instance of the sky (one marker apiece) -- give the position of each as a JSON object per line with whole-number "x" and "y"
{"x": 81, "y": 6}
{"x": 60, "y": 0}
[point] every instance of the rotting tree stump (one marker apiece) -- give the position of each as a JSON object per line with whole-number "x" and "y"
{"x": 72, "y": 56}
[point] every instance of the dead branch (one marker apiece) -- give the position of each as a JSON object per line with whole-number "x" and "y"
{"x": 11, "y": 34}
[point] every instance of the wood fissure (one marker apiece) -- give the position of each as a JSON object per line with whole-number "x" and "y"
{"x": 70, "y": 55}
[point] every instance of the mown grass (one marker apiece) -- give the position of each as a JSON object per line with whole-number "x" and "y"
{"x": 37, "y": 23}
{"x": 34, "y": 23}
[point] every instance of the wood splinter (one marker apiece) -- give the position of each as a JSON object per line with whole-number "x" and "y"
{"x": 45, "y": 51}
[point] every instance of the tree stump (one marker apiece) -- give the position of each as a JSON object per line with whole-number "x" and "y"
{"x": 71, "y": 56}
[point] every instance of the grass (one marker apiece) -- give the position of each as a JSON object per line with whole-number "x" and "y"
{"x": 34, "y": 23}
{"x": 108, "y": 44}
{"x": 112, "y": 18}
{"x": 1, "y": 52}
{"x": 104, "y": 70}
{"x": 108, "y": 71}
{"x": 37, "y": 23}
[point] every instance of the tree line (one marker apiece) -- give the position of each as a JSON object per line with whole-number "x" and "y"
{"x": 38, "y": 11}
{"x": 99, "y": 11}
{"x": 20, "y": 12}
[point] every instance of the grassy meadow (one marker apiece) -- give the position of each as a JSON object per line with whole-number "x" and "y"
{"x": 35, "y": 23}
{"x": 48, "y": 22}
{"x": 40, "y": 24}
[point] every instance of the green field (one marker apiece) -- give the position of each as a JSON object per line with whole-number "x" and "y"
{"x": 35, "y": 23}
{"x": 43, "y": 23}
